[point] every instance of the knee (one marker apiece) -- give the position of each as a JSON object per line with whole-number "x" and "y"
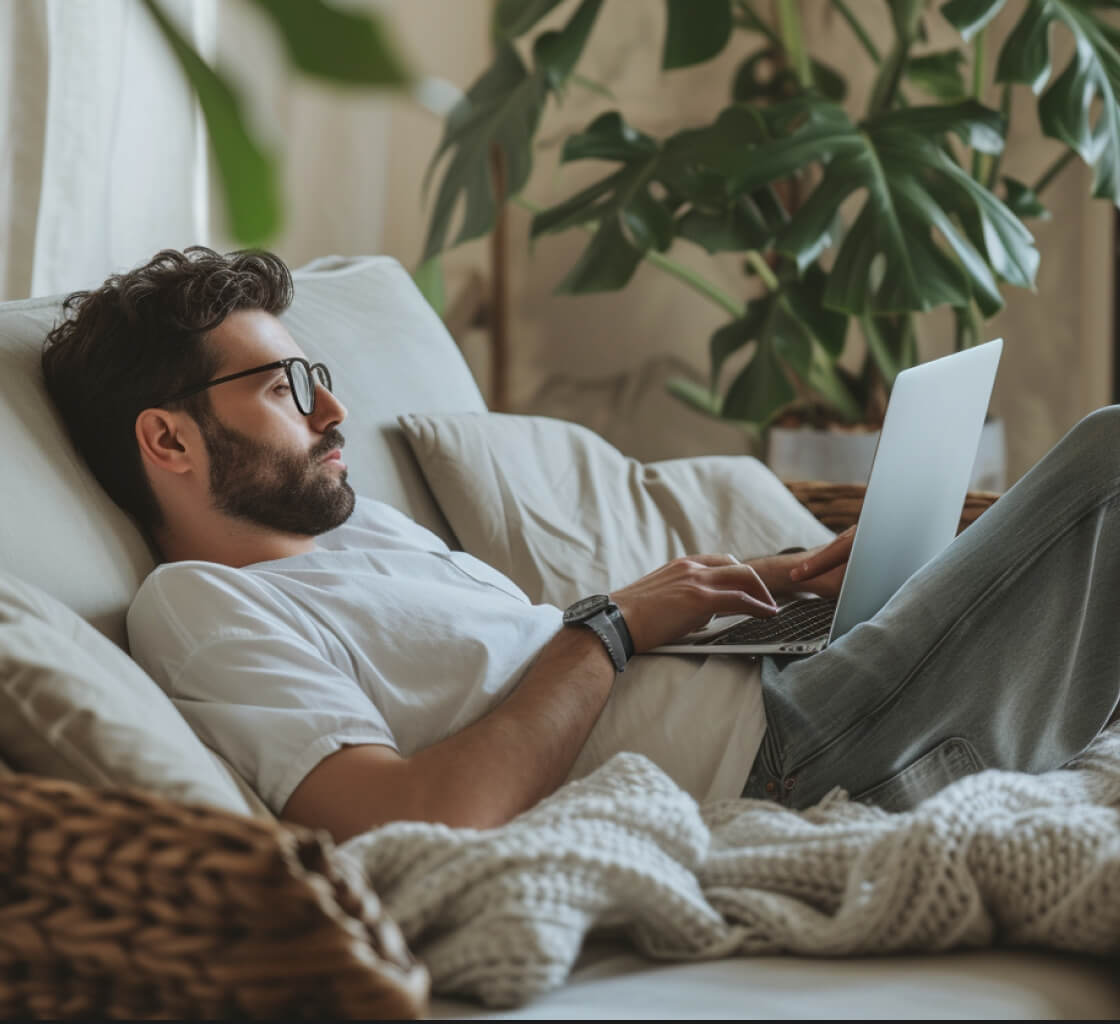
{"x": 1096, "y": 439}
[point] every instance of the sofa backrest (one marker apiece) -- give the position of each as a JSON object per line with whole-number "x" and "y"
{"x": 364, "y": 317}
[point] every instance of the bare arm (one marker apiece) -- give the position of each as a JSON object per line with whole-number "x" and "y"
{"x": 522, "y": 750}
{"x": 481, "y": 777}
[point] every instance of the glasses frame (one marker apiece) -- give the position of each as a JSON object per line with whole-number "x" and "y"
{"x": 317, "y": 373}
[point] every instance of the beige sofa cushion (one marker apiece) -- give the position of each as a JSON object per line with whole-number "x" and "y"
{"x": 564, "y": 513}
{"x": 74, "y": 706}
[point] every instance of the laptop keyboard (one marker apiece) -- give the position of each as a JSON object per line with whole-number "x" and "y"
{"x": 808, "y": 618}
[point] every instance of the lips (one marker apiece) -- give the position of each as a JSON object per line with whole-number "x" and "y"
{"x": 329, "y": 449}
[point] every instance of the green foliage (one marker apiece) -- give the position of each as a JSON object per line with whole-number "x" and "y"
{"x": 871, "y": 218}
{"x": 430, "y": 280}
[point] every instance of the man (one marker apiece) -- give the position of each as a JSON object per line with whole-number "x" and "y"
{"x": 356, "y": 671}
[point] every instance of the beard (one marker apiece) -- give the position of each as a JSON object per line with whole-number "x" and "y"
{"x": 292, "y": 492}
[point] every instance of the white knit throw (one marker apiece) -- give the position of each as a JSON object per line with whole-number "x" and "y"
{"x": 999, "y": 857}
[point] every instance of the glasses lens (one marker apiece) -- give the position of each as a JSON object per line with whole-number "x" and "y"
{"x": 303, "y": 390}
{"x": 322, "y": 375}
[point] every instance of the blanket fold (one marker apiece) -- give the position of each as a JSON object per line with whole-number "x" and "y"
{"x": 996, "y": 858}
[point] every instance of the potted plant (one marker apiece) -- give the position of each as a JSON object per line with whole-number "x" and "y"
{"x": 864, "y": 219}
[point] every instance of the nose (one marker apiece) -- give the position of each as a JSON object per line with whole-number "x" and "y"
{"x": 328, "y": 412}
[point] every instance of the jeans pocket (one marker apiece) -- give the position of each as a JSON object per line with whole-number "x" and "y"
{"x": 950, "y": 760}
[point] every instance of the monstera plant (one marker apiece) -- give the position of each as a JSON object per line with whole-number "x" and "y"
{"x": 876, "y": 216}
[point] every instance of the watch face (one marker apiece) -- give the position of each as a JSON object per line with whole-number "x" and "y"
{"x": 586, "y": 607}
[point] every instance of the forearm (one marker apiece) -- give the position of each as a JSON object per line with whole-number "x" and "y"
{"x": 523, "y": 749}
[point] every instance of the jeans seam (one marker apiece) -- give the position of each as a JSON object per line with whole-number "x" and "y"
{"x": 1003, "y": 579}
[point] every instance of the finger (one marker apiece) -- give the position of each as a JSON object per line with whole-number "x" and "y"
{"x": 739, "y": 602}
{"x": 742, "y": 578}
{"x": 831, "y": 556}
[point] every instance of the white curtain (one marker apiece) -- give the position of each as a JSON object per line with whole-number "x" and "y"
{"x": 102, "y": 147}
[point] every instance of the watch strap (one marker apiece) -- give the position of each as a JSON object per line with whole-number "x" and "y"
{"x": 605, "y": 625}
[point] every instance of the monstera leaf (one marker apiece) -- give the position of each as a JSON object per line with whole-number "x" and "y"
{"x": 696, "y": 32}
{"x": 661, "y": 190}
{"x": 513, "y": 18}
{"x": 890, "y": 260}
{"x": 939, "y": 74}
{"x": 500, "y": 112}
{"x": 630, "y": 219}
{"x": 795, "y": 338}
{"x": 1090, "y": 81}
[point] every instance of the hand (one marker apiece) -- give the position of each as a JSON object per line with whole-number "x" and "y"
{"x": 821, "y": 570}
{"x": 817, "y": 571}
{"x": 683, "y": 596}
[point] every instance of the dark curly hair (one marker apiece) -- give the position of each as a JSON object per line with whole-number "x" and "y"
{"x": 141, "y": 337}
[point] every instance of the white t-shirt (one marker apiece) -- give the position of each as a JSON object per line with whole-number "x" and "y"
{"x": 384, "y": 635}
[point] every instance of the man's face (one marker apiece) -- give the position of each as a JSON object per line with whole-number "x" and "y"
{"x": 270, "y": 464}
{"x": 276, "y": 487}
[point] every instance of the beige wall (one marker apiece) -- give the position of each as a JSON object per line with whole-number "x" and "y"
{"x": 603, "y": 360}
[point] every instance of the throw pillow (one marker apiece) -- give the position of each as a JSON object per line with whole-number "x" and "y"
{"x": 74, "y": 706}
{"x": 121, "y": 904}
{"x": 563, "y": 513}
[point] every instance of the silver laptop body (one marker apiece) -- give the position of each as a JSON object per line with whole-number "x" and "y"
{"x": 919, "y": 479}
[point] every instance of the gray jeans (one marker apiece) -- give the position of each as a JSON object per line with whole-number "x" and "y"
{"x": 1002, "y": 652}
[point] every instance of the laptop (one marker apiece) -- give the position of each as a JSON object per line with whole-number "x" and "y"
{"x": 917, "y": 486}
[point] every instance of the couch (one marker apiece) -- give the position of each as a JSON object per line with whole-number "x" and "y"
{"x": 75, "y": 710}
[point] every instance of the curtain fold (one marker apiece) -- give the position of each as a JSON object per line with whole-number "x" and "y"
{"x": 103, "y": 154}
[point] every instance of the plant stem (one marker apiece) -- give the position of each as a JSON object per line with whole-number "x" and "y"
{"x": 682, "y": 273}
{"x": 997, "y": 160}
{"x": 978, "y": 69}
{"x": 977, "y": 323}
{"x": 789, "y": 24}
{"x": 890, "y": 74}
{"x": 859, "y": 31}
{"x": 1053, "y": 171}
{"x": 753, "y": 21}
{"x": 699, "y": 284}
{"x": 762, "y": 268}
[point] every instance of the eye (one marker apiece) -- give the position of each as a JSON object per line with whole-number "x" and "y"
{"x": 281, "y": 387}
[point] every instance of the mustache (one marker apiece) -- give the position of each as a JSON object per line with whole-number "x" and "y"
{"x": 331, "y": 440}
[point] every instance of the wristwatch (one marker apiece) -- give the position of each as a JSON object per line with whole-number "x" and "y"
{"x": 601, "y": 614}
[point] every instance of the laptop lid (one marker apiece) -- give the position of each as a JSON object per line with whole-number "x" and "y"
{"x": 919, "y": 477}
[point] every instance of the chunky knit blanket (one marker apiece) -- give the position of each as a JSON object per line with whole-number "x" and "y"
{"x": 999, "y": 857}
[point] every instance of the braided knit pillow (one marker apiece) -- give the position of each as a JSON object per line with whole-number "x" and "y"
{"x": 119, "y": 903}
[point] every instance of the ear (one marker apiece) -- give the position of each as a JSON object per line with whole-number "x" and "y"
{"x": 169, "y": 441}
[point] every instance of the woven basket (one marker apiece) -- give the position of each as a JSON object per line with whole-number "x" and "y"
{"x": 117, "y": 903}
{"x": 838, "y": 505}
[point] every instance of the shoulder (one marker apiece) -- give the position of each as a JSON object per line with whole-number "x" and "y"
{"x": 189, "y": 603}
{"x": 196, "y": 580}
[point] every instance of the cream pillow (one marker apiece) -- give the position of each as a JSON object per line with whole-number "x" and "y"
{"x": 74, "y": 706}
{"x": 565, "y": 514}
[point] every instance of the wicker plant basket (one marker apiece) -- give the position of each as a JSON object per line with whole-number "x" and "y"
{"x": 838, "y": 505}
{"x": 121, "y": 904}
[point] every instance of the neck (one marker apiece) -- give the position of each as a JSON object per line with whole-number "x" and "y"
{"x": 228, "y": 542}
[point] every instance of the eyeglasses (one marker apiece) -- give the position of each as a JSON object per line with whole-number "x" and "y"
{"x": 304, "y": 379}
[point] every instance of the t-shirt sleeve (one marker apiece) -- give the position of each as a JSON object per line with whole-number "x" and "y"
{"x": 253, "y": 689}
